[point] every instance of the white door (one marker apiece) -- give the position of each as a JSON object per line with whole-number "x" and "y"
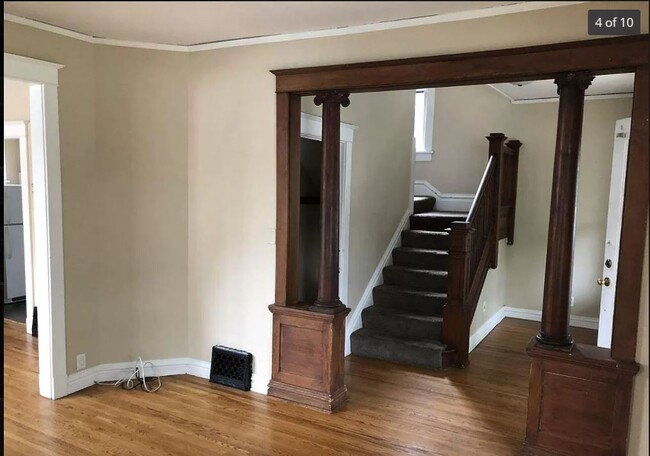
{"x": 612, "y": 238}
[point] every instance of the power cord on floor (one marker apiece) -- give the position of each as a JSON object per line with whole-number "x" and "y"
{"x": 135, "y": 377}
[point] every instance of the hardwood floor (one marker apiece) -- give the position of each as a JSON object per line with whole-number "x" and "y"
{"x": 393, "y": 410}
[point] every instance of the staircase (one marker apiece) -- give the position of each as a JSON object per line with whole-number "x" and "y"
{"x": 423, "y": 311}
{"x": 405, "y": 323}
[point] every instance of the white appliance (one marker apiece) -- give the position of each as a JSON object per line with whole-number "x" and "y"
{"x": 14, "y": 261}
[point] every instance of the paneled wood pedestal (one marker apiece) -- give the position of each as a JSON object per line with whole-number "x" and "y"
{"x": 308, "y": 353}
{"x": 579, "y": 402}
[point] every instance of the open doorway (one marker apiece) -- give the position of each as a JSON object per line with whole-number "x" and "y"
{"x": 310, "y": 180}
{"x": 33, "y": 220}
{"x": 18, "y": 205}
{"x": 399, "y": 332}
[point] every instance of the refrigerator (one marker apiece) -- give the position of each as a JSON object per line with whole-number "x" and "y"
{"x": 14, "y": 249}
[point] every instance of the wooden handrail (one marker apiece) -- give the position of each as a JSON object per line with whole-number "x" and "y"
{"x": 481, "y": 189}
{"x": 474, "y": 242}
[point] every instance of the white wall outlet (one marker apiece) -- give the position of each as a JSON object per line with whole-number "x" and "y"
{"x": 572, "y": 300}
{"x": 484, "y": 305}
{"x": 81, "y": 361}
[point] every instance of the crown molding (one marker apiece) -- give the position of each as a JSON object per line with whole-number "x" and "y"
{"x": 341, "y": 31}
{"x": 514, "y": 101}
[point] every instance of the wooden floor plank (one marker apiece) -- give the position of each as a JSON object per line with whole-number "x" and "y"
{"x": 393, "y": 410}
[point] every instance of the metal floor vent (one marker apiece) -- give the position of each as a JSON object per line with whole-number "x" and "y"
{"x": 231, "y": 367}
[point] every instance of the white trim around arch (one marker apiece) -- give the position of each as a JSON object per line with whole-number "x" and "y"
{"x": 311, "y": 127}
{"x": 48, "y": 220}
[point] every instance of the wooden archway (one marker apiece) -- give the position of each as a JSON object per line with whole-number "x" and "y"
{"x": 308, "y": 337}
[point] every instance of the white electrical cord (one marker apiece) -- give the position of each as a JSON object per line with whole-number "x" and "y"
{"x": 144, "y": 377}
{"x": 137, "y": 373}
{"x": 127, "y": 380}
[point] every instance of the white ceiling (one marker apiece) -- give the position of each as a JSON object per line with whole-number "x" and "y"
{"x": 604, "y": 85}
{"x": 191, "y": 23}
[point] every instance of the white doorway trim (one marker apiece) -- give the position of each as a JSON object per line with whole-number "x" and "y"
{"x": 48, "y": 218}
{"x": 311, "y": 127}
{"x": 18, "y": 130}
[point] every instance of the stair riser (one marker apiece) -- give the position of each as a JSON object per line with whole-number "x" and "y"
{"x": 433, "y": 223}
{"x": 418, "y": 280}
{"x": 421, "y": 260}
{"x": 402, "y": 326}
{"x": 425, "y": 241}
{"x": 420, "y": 305}
{"x": 396, "y": 352}
{"x": 424, "y": 205}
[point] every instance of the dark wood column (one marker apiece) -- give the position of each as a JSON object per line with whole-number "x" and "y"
{"x": 309, "y": 338}
{"x": 561, "y": 232}
{"x": 328, "y": 281}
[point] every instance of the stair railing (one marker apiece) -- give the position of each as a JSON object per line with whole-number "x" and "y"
{"x": 474, "y": 242}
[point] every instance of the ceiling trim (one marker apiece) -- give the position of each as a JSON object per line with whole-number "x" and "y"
{"x": 341, "y": 31}
{"x": 609, "y": 96}
{"x": 503, "y": 94}
{"x": 90, "y": 39}
{"x": 605, "y": 96}
{"x": 26, "y": 69}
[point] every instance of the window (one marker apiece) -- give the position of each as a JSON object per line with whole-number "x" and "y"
{"x": 423, "y": 128}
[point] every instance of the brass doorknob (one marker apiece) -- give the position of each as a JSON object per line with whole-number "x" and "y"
{"x": 604, "y": 281}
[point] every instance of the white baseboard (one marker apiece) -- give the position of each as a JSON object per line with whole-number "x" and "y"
{"x": 354, "y": 320}
{"x": 485, "y": 329}
{"x": 457, "y": 202}
{"x": 523, "y": 314}
{"x": 162, "y": 367}
{"x": 536, "y": 315}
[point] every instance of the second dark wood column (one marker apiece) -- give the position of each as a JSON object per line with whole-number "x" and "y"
{"x": 328, "y": 279}
{"x": 561, "y": 232}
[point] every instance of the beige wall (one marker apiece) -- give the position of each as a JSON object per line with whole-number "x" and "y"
{"x": 232, "y": 157}
{"x": 12, "y": 161}
{"x": 16, "y": 100}
{"x": 463, "y": 117}
{"x": 123, "y": 137}
{"x": 493, "y": 295}
{"x": 535, "y": 125}
{"x": 230, "y": 186}
{"x": 380, "y": 177}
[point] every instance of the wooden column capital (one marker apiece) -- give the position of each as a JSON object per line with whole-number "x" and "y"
{"x": 340, "y": 97}
{"x": 580, "y": 80}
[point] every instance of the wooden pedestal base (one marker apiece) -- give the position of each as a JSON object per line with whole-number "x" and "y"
{"x": 308, "y": 356}
{"x": 579, "y": 402}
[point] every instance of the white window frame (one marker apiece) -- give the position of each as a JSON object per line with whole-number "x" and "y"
{"x": 429, "y": 105}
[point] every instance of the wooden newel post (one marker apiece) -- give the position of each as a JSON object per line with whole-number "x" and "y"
{"x": 455, "y": 331}
{"x": 561, "y": 232}
{"x": 328, "y": 281}
{"x": 496, "y": 141}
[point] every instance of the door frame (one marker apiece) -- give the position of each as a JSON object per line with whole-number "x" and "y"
{"x": 18, "y": 130}
{"x": 48, "y": 218}
{"x": 311, "y": 127}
